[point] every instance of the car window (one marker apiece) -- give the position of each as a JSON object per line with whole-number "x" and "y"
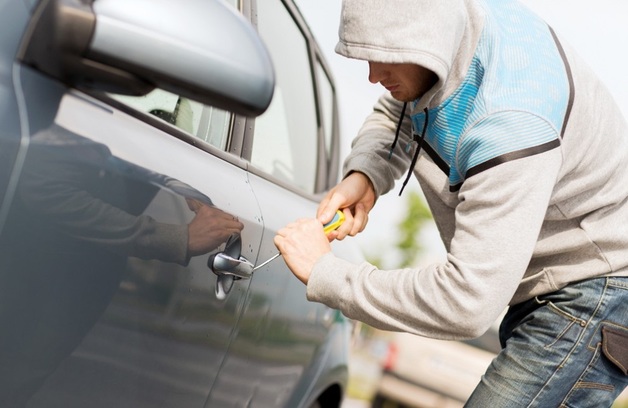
{"x": 204, "y": 122}
{"x": 285, "y": 143}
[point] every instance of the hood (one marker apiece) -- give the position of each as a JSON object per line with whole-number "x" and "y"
{"x": 440, "y": 35}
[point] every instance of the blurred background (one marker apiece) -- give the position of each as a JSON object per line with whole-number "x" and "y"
{"x": 398, "y": 370}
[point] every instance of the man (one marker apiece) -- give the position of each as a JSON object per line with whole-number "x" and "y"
{"x": 522, "y": 155}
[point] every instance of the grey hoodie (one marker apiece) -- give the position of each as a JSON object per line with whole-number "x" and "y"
{"x": 524, "y": 165}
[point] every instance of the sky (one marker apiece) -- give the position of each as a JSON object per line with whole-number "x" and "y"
{"x": 597, "y": 30}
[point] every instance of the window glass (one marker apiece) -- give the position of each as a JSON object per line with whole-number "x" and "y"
{"x": 326, "y": 93}
{"x": 285, "y": 143}
{"x": 205, "y": 122}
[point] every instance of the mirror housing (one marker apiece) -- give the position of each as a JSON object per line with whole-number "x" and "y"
{"x": 201, "y": 49}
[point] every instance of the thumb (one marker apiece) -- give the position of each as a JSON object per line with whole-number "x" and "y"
{"x": 328, "y": 207}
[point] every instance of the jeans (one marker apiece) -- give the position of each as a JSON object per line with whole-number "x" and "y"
{"x": 568, "y": 348}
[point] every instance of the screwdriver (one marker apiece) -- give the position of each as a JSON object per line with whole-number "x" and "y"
{"x": 335, "y": 222}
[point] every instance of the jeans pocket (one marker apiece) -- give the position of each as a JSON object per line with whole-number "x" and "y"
{"x": 615, "y": 346}
{"x": 561, "y": 324}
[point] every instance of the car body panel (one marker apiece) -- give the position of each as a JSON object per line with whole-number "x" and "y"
{"x": 101, "y": 303}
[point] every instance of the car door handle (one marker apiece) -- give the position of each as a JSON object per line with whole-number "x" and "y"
{"x": 230, "y": 262}
{"x": 225, "y": 264}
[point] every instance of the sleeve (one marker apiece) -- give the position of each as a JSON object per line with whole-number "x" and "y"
{"x": 497, "y": 223}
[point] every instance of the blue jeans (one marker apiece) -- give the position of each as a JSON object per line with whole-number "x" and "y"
{"x": 568, "y": 348}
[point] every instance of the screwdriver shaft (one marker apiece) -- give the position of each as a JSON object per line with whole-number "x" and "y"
{"x": 272, "y": 258}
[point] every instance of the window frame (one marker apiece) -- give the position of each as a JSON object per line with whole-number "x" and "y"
{"x": 332, "y": 160}
{"x": 235, "y": 131}
{"x": 326, "y": 165}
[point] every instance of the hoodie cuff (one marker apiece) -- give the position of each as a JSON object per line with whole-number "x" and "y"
{"x": 328, "y": 281}
{"x": 372, "y": 167}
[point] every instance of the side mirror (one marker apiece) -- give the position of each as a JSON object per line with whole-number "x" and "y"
{"x": 201, "y": 49}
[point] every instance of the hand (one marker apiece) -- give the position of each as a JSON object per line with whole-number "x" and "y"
{"x": 209, "y": 228}
{"x": 355, "y": 195}
{"x": 301, "y": 244}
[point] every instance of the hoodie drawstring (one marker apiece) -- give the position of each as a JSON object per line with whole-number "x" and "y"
{"x": 403, "y": 113}
{"x": 414, "y": 138}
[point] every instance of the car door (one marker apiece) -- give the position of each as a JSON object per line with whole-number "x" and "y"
{"x": 111, "y": 294}
{"x": 155, "y": 321}
{"x": 288, "y": 351}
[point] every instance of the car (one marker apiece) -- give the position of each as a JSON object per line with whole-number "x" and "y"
{"x": 150, "y": 150}
{"x": 420, "y": 372}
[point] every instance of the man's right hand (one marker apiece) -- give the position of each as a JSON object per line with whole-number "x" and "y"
{"x": 355, "y": 196}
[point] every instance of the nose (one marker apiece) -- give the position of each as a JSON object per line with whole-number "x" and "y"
{"x": 377, "y": 72}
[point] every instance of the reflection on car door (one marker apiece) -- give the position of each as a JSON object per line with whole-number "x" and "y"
{"x": 110, "y": 309}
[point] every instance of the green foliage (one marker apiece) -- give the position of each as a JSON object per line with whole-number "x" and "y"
{"x": 416, "y": 216}
{"x": 375, "y": 260}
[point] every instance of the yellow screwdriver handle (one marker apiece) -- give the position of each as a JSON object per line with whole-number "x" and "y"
{"x": 338, "y": 219}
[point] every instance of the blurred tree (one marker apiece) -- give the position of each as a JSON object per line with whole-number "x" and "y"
{"x": 417, "y": 215}
{"x": 408, "y": 243}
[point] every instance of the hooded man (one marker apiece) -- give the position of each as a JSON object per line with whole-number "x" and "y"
{"x": 522, "y": 155}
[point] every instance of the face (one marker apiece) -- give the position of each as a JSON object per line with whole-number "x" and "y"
{"x": 406, "y": 82}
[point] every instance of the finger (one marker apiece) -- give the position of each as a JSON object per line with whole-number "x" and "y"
{"x": 347, "y": 226}
{"x": 322, "y": 206}
{"x": 332, "y": 235}
{"x": 326, "y": 213}
{"x": 278, "y": 241}
{"x": 365, "y": 222}
{"x": 236, "y": 229}
{"x": 360, "y": 219}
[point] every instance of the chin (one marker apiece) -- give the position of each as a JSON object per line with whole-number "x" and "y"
{"x": 401, "y": 97}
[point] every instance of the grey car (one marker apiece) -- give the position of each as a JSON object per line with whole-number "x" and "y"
{"x": 149, "y": 152}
